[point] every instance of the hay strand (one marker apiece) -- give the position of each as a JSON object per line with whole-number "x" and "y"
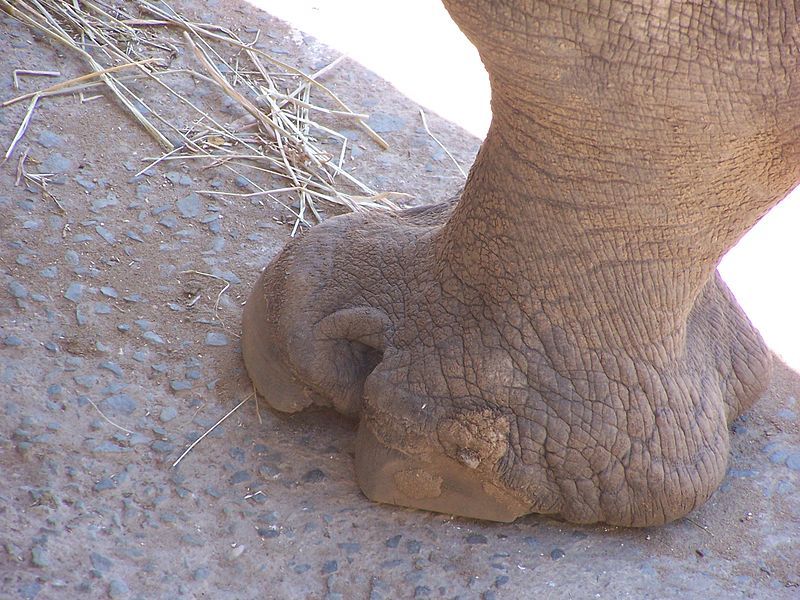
{"x": 210, "y": 429}
{"x": 281, "y": 138}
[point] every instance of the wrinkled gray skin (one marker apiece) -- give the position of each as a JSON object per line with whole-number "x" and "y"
{"x": 559, "y": 340}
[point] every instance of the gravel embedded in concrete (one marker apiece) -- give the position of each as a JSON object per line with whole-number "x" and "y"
{"x": 98, "y": 329}
{"x": 215, "y": 338}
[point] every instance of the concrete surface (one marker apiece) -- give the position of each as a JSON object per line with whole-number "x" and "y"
{"x": 96, "y": 315}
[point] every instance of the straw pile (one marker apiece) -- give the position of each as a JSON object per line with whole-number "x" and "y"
{"x": 285, "y": 108}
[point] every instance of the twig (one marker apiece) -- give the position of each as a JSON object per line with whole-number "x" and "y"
{"x": 703, "y": 527}
{"x": 70, "y": 82}
{"x": 18, "y": 72}
{"x": 441, "y": 145}
{"x": 120, "y": 427}
{"x": 21, "y": 167}
{"x": 222, "y": 291}
{"x": 230, "y": 40}
{"x": 59, "y": 35}
{"x": 277, "y": 140}
{"x": 258, "y": 411}
{"x": 22, "y": 128}
{"x": 223, "y": 83}
{"x": 327, "y": 111}
{"x": 213, "y": 427}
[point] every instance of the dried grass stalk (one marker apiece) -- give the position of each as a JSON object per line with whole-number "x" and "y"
{"x": 277, "y": 139}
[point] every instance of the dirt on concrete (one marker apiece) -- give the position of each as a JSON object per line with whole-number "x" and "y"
{"x": 114, "y": 357}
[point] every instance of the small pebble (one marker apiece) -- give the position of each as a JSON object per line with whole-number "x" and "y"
{"x": 12, "y": 340}
{"x": 192, "y": 540}
{"x": 73, "y": 362}
{"x": 228, "y": 276}
{"x": 177, "y": 178}
{"x": 349, "y": 547}
{"x": 169, "y": 221}
{"x": 793, "y": 461}
{"x": 113, "y": 367}
{"x": 153, "y": 337}
{"x": 267, "y": 532}
{"x": 239, "y": 477}
{"x": 100, "y": 562}
{"x": 144, "y": 324}
{"x": 50, "y": 272}
{"x": 167, "y": 414}
{"x": 162, "y": 446}
{"x": 101, "y": 308}
{"x": 115, "y": 387}
{"x": 300, "y": 569}
{"x": 118, "y": 589}
{"x": 74, "y": 292}
{"x": 39, "y": 557}
{"x": 55, "y": 163}
{"x": 85, "y": 183}
{"x": 81, "y": 316}
{"x": 557, "y": 554}
{"x": 191, "y": 206}
{"x": 106, "y": 234}
{"x": 101, "y": 203}
{"x": 268, "y": 471}
{"x": 48, "y": 139}
{"x": 476, "y": 538}
{"x": 422, "y": 591}
{"x": 18, "y": 290}
{"x": 386, "y": 123}
{"x": 215, "y": 338}
{"x": 120, "y": 403}
{"x": 29, "y": 591}
{"x": 106, "y": 483}
{"x": 779, "y": 456}
{"x": 329, "y": 567}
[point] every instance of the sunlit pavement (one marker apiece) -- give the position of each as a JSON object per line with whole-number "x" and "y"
{"x": 416, "y": 47}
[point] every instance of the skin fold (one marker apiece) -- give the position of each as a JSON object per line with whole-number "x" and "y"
{"x": 558, "y": 340}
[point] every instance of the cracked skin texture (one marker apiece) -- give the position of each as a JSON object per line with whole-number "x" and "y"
{"x": 558, "y": 340}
